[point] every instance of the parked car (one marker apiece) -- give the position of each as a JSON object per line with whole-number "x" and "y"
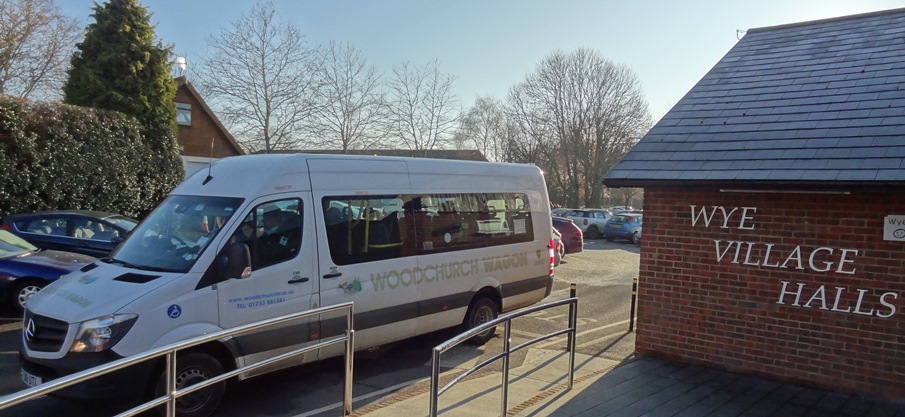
{"x": 25, "y": 269}
{"x": 624, "y": 226}
{"x": 93, "y": 233}
{"x": 572, "y": 237}
{"x": 590, "y": 221}
{"x": 620, "y": 209}
{"x": 560, "y": 212}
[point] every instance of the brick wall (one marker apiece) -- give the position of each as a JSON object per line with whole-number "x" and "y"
{"x": 706, "y": 302}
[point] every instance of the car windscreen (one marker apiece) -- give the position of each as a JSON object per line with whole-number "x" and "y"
{"x": 172, "y": 237}
{"x": 12, "y": 245}
{"x": 124, "y": 222}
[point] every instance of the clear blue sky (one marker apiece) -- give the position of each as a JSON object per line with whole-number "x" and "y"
{"x": 490, "y": 45}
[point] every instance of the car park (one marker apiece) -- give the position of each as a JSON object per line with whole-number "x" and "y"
{"x": 93, "y": 233}
{"x": 624, "y": 226}
{"x": 572, "y": 237}
{"x": 25, "y": 269}
{"x": 590, "y": 221}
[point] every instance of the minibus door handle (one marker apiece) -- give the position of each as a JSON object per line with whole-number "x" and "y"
{"x": 298, "y": 280}
{"x": 333, "y": 275}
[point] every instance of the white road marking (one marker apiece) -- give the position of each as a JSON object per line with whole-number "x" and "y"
{"x": 10, "y": 327}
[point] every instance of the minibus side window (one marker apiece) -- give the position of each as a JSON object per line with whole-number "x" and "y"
{"x": 272, "y": 231}
{"x": 371, "y": 228}
{"x": 364, "y": 229}
{"x": 473, "y": 220}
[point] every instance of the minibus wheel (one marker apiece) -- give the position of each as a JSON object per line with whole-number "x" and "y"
{"x": 479, "y": 312}
{"x": 192, "y": 369}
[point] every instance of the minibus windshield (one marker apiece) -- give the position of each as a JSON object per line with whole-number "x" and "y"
{"x": 172, "y": 237}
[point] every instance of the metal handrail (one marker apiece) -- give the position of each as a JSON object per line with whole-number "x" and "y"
{"x": 170, "y": 352}
{"x": 437, "y": 390}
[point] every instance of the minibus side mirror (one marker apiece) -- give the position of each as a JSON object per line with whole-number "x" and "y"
{"x": 235, "y": 262}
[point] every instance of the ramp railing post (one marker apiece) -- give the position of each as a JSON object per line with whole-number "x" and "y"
{"x": 631, "y": 318}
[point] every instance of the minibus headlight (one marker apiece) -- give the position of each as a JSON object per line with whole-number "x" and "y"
{"x": 102, "y": 333}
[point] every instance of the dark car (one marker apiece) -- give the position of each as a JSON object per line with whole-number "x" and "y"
{"x": 93, "y": 233}
{"x": 25, "y": 269}
{"x": 572, "y": 237}
{"x": 624, "y": 226}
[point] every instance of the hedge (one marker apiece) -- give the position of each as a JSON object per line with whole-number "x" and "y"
{"x": 57, "y": 156}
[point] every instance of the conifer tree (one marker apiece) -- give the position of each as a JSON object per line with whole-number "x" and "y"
{"x": 120, "y": 66}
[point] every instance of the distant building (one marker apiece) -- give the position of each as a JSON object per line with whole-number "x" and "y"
{"x": 774, "y": 210}
{"x": 202, "y": 138}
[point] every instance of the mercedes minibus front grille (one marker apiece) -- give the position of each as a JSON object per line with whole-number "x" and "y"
{"x": 44, "y": 334}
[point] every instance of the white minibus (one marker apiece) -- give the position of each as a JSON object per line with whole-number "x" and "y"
{"x": 417, "y": 244}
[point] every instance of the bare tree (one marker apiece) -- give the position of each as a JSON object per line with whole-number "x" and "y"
{"x": 595, "y": 111}
{"x": 36, "y": 41}
{"x": 350, "y": 101}
{"x": 483, "y": 126}
{"x": 259, "y": 74}
{"x": 423, "y": 110}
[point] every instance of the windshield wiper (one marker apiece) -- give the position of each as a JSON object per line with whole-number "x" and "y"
{"x": 133, "y": 266}
{"x": 110, "y": 260}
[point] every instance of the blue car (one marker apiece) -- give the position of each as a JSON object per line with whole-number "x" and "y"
{"x": 93, "y": 233}
{"x": 624, "y": 226}
{"x": 25, "y": 269}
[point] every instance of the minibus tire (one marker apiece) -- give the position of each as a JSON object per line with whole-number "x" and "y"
{"x": 190, "y": 369}
{"x": 481, "y": 311}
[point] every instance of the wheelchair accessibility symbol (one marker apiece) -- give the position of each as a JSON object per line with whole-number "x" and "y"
{"x": 174, "y": 311}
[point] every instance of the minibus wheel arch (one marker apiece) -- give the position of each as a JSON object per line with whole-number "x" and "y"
{"x": 216, "y": 351}
{"x": 485, "y": 306}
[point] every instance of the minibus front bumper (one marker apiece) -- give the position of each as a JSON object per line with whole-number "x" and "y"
{"x": 127, "y": 384}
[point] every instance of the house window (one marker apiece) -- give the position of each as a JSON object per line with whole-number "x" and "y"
{"x": 184, "y": 114}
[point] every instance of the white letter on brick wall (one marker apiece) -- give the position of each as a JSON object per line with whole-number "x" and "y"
{"x": 726, "y": 216}
{"x": 839, "y": 291}
{"x": 719, "y": 256}
{"x": 820, "y": 294}
{"x": 796, "y": 256}
{"x": 783, "y": 293}
{"x": 741, "y": 224}
{"x": 702, "y": 213}
{"x": 858, "y": 305}
{"x": 827, "y": 264}
{"x": 843, "y": 259}
{"x": 892, "y": 307}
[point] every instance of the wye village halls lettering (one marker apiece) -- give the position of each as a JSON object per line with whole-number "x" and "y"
{"x": 823, "y": 260}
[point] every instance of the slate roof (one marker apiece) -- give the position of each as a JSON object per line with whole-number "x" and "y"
{"x": 817, "y": 105}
